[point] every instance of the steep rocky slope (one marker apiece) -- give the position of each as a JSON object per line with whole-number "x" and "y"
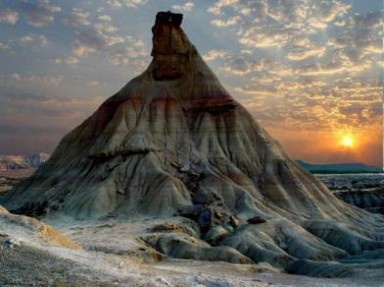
{"x": 173, "y": 141}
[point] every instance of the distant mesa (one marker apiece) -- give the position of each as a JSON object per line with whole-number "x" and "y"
{"x": 8, "y": 162}
{"x": 339, "y": 168}
{"x": 174, "y": 142}
{"x": 21, "y": 166}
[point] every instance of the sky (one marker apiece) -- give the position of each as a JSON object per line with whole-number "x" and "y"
{"x": 309, "y": 71}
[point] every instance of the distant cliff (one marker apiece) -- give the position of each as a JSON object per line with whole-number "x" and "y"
{"x": 339, "y": 168}
{"x": 11, "y": 162}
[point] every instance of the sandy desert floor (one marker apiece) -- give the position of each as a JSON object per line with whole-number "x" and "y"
{"x": 112, "y": 254}
{"x": 129, "y": 262}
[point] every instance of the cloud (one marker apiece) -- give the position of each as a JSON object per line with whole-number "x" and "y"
{"x": 215, "y": 54}
{"x": 218, "y": 5}
{"x": 81, "y": 19}
{"x": 36, "y": 80}
{"x": 4, "y": 46}
{"x": 38, "y": 13}
{"x": 328, "y": 12}
{"x": 299, "y": 14}
{"x": 349, "y": 109}
{"x": 114, "y": 46}
{"x": 264, "y": 67}
{"x": 106, "y": 27}
{"x": 90, "y": 37}
{"x": 127, "y": 3}
{"x": 363, "y": 21}
{"x": 71, "y": 60}
{"x": 226, "y": 23}
{"x": 68, "y": 61}
{"x": 358, "y": 91}
{"x": 30, "y": 38}
{"x": 305, "y": 53}
{"x": 78, "y": 18}
{"x": 105, "y": 18}
{"x": 9, "y": 17}
{"x": 214, "y": 10}
{"x": 241, "y": 66}
{"x": 257, "y": 90}
{"x": 122, "y": 56}
{"x": 263, "y": 79}
{"x": 272, "y": 24}
{"x": 334, "y": 68}
{"x": 360, "y": 114}
{"x": 88, "y": 41}
{"x": 312, "y": 103}
{"x": 263, "y": 37}
{"x": 300, "y": 41}
{"x": 101, "y": 37}
{"x": 362, "y": 35}
{"x": 303, "y": 84}
{"x": 186, "y": 7}
{"x": 293, "y": 11}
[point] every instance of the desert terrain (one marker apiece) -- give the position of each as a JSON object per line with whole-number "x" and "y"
{"x": 171, "y": 182}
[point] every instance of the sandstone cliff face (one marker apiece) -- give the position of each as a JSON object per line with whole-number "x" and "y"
{"x": 173, "y": 139}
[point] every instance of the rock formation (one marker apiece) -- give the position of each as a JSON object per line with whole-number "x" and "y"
{"x": 173, "y": 141}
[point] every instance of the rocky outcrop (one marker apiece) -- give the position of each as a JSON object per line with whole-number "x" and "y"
{"x": 171, "y": 47}
{"x": 174, "y": 139}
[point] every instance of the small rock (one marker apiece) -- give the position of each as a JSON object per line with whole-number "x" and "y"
{"x": 256, "y": 220}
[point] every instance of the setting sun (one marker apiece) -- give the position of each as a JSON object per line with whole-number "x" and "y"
{"x": 347, "y": 142}
{"x": 347, "y": 139}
